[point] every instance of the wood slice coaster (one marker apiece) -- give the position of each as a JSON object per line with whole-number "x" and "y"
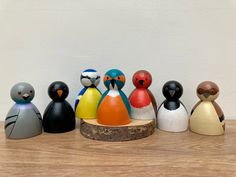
{"x": 137, "y": 129}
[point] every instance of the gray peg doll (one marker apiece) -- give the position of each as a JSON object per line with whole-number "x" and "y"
{"x": 23, "y": 119}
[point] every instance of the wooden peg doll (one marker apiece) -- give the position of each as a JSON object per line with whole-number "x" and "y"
{"x": 142, "y": 102}
{"x": 207, "y": 117}
{"x": 59, "y": 116}
{"x": 88, "y": 98}
{"x": 23, "y": 119}
{"x": 172, "y": 115}
{"x": 114, "y": 108}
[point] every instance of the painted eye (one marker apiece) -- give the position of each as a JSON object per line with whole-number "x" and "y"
{"x": 200, "y": 90}
{"x": 19, "y": 93}
{"x": 136, "y": 79}
{"x": 146, "y": 79}
{"x": 31, "y": 91}
{"x": 177, "y": 89}
{"x": 166, "y": 89}
{"x": 106, "y": 78}
{"x": 212, "y": 91}
{"x": 120, "y": 78}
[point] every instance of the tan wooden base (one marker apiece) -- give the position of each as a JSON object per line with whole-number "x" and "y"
{"x": 137, "y": 129}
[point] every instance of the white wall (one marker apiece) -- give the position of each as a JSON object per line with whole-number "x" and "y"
{"x": 187, "y": 40}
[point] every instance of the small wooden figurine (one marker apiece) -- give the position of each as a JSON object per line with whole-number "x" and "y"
{"x": 113, "y": 107}
{"x": 59, "y": 116}
{"x": 142, "y": 102}
{"x": 172, "y": 115}
{"x": 23, "y": 119}
{"x": 207, "y": 117}
{"x": 88, "y": 98}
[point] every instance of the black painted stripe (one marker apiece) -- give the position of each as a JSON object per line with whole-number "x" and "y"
{"x": 83, "y": 77}
{"x": 191, "y": 111}
{"x": 10, "y": 117}
{"x": 9, "y": 123}
{"x": 222, "y": 118}
{"x": 40, "y": 118}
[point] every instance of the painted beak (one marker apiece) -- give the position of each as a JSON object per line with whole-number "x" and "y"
{"x": 206, "y": 95}
{"x": 59, "y": 92}
{"x": 93, "y": 80}
{"x": 172, "y": 92}
{"x": 113, "y": 82}
{"x": 141, "y": 82}
{"x": 25, "y": 96}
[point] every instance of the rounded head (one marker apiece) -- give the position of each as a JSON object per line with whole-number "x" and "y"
{"x": 22, "y": 92}
{"x": 142, "y": 79}
{"x": 58, "y": 91}
{"x": 172, "y": 90}
{"x": 90, "y": 78}
{"x": 114, "y": 79}
{"x": 207, "y": 91}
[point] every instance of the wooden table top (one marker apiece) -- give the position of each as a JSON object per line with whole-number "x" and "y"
{"x": 162, "y": 154}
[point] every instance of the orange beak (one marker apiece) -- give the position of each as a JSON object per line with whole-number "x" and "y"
{"x": 59, "y": 92}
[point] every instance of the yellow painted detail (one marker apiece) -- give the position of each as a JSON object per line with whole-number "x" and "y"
{"x": 87, "y": 107}
{"x": 205, "y": 120}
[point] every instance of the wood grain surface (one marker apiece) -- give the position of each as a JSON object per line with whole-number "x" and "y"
{"x": 161, "y": 154}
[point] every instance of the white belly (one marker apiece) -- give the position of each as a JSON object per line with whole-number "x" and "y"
{"x": 172, "y": 120}
{"x": 205, "y": 120}
{"x": 144, "y": 113}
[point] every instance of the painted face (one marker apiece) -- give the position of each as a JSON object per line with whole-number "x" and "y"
{"x": 22, "y": 92}
{"x": 90, "y": 78}
{"x": 114, "y": 79}
{"x": 207, "y": 91}
{"x": 142, "y": 79}
{"x": 58, "y": 91}
{"x": 172, "y": 90}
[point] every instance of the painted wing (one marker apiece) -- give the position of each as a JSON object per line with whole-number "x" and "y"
{"x": 153, "y": 100}
{"x": 103, "y": 96}
{"x": 37, "y": 112}
{"x": 183, "y": 106}
{"x": 79, "y": 96}
{"x": 98, "y": 90}
{"x": 219, "y": 113}
{"x": 160, "y": 105}
{"x": 125, "y": 100}
{"x": 11, "y": 119}
{"x": 195, "y": 107}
